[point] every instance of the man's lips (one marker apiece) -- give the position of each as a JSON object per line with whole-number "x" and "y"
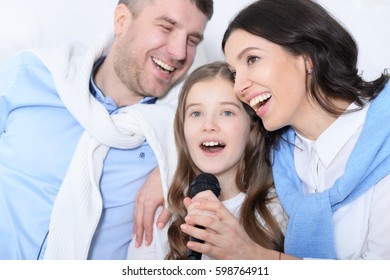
{"x": 163, "y": 66}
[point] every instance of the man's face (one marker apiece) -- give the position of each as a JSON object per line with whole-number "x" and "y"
{"x": 155, "y": 49}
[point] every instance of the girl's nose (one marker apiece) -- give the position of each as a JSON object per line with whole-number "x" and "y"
{"x": 210, "y": 124}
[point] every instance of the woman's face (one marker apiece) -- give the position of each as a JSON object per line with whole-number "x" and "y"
{"x": 269, "y": 78}
{"x": 216, "y": 127}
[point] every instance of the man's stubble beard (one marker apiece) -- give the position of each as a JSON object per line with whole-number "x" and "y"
{"x": 128, "y": 71}
{"x": 128, "y": 68}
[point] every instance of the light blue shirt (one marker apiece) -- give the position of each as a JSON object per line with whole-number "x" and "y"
{"x": 38, "y": 137}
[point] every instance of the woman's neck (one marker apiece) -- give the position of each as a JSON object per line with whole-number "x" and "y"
{"x": 317, "y": 120}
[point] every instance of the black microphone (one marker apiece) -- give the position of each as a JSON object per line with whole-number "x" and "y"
{"x": 202, "y": 182}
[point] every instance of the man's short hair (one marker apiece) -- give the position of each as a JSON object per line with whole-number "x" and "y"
{"x": 205, "y": 6}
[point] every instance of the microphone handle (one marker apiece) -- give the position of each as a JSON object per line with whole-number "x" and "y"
{"x": 194, "y": 255}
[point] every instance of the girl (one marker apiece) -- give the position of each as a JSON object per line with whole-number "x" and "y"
{"x": 216, "y": 133}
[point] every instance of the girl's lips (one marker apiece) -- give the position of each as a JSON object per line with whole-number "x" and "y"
{"x": 212, "y": 149}
{"x": 213, "y": 146}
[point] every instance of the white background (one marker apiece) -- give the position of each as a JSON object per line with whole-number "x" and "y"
{"x": 32, "y": 23}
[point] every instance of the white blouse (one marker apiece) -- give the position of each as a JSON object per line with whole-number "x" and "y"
{"x": 362, "y": 227}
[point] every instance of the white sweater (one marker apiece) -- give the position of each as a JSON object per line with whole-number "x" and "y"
{"x": 78, "y": 206}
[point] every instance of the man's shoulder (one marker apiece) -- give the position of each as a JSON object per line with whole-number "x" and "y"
{"x": 21, "y": 72}
{"x": 24, "y": 59}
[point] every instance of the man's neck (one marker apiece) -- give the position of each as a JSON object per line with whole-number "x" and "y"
{"x": 110, "y": 85}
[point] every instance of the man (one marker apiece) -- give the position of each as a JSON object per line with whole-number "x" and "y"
{"x": 81, "y": 131}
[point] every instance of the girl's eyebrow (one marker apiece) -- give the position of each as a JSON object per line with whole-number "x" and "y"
{"x": 222, "y": 103}
{"x": 231, "y": 103}
{"x": 192, "y": 105}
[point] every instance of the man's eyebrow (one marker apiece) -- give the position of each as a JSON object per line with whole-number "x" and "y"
{"x": 174, "y": 22}
{"x": 167, "y": 19}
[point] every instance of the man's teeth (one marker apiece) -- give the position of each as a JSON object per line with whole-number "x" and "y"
{"x": 211, "y": 144}
{"x": 163, "y": 65}
{"x": 259, "y": 99}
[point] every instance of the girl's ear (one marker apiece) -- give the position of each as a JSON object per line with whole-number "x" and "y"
{"x": 122, "y": 18}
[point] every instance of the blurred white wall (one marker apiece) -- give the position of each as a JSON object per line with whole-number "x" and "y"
{"x": 33, "y": 23}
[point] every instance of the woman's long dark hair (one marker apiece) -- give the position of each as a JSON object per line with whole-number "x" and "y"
{"x": 254, "y": 176}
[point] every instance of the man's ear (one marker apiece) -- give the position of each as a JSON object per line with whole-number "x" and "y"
{"x": 122, "y": 17}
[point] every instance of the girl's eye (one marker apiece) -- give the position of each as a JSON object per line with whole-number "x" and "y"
{"x": 227, "y": 113}
{"x": 195, "y": 114}
{"x": 251, "y": 59}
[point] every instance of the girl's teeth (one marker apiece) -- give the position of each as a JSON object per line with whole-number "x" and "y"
{"x": 210, "y": 144}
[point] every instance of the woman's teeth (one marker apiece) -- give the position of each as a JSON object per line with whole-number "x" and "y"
{"x": 259, "y": 99}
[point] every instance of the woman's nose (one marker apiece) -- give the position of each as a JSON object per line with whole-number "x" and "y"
{"x": 241, "y": 85}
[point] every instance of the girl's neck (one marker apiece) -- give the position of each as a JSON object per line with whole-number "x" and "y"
{"x": 228, "y": 186}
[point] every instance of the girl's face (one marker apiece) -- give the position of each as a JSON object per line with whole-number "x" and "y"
{"x": 216, "y": 126}
{"x": 270, "y": 79}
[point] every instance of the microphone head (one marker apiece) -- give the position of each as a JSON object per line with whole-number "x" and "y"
{"x": 204, "y": 182}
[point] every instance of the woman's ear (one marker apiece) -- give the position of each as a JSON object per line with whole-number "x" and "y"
{"x": 122, "y": 17}
{"x": 308, "y": 64}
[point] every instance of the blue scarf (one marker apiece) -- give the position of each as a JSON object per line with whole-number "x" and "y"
{"x": 310, "y": 231}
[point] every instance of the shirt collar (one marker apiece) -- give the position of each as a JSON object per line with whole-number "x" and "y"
{"x": 107, "y": 101}
{"x": 333, "y": 139}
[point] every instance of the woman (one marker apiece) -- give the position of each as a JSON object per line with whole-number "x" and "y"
{"x": 218, "y": 134}
{"x": 295, "y": 65}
